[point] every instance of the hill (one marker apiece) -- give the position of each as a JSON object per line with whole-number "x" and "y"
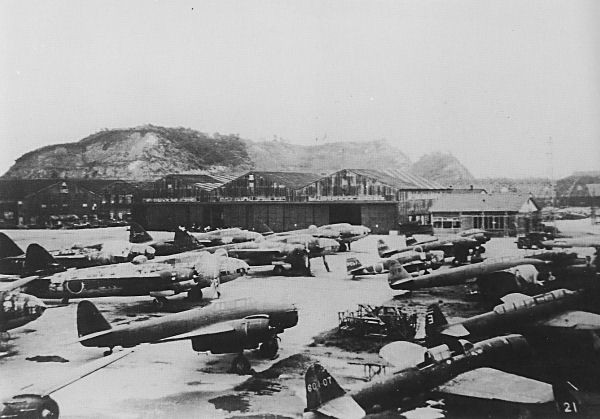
{"x": 141, "y": 153}
{"x": 150, "y": 152}
{"x": 326, "y": 158}
{"x": 443, "y": 168}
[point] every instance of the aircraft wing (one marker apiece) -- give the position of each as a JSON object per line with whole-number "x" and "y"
{"x": 250, "y": 254}
{"x": 492, "y": 384}
{"x": 46, "y": 388}
{"x": 213, "y": 329}
{"x": 19, "y": 283}
{"x": 573, "y": 319}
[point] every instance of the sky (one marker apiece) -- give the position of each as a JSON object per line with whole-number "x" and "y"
{"x": 510, "y": 87}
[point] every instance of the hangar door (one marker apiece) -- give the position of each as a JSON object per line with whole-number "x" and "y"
{"x": 345, "y": 213}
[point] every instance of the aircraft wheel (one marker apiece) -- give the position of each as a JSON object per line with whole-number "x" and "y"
{"x": 269, "y": 348}
{"x": 48, "y": 409}
{"x": 278, "y": 270}
{"x": 108, "y": 352}
{"x": 343, "y": 247}
{"x": 4, "y": 336}
{"x": 195, "y": 294}
{"x": 241, "y": 365}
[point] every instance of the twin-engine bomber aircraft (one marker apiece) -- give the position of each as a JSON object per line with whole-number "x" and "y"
{"x": 222, "y": 327}
{"x": 558, "y": 311}
{"x": 163, "y": 277}
{"x": 12, "y": 257}
{"x": 495, "y": 277}
{"x": 458, "y": 246}
{"x": 343, "y": 233}
{"x": 411, "y": 261}
{"x": 463, "y": 369}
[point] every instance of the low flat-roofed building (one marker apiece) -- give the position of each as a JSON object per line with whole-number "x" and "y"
{"x": 501, "y": 214}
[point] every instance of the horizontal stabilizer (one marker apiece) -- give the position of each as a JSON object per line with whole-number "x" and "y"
{"x": 492, "y": 384}
{"x": 578, "y": 320}
{"x": 353, "y": 265}
{"x": 456, "y": 330}
{"x": 402, "y": 354}
{"x": 342, "y": 408}
{"x": 515, "y": 297}
{"x": 19, "y": 283}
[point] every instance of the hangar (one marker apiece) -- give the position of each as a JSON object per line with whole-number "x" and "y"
{"x": 380, "y": 200}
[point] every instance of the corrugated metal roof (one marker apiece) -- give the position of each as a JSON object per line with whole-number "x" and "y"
{"x": 399, "y": 179}
{"x": 480, "y": 202}
{"x": 217, "y": 181}
{"x": 292, "y": 180}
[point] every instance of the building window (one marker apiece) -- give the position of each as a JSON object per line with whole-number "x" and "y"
{"x": 446, "y": 222}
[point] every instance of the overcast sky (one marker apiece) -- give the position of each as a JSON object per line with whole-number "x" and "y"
{"x": 490, "y": 81}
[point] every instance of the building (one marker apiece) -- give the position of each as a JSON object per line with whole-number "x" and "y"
{"x": 48, "y": 202}
{"x": 291, "y": 200}
{"x": 500, "y": 214}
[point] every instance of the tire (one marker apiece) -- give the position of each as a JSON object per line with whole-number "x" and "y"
{"x": 343, "y": 247}
{"x": 269, "y": 348}
{"x": 278, "y": 270}
{"x": 48, "y": 410}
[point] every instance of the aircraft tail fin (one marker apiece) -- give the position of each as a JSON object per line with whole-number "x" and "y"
{"x": 324, "y": 395}
{"x": 89, "y": 319}
{"x": 38, "y": 260}
{"x": 382, "y": 248}
{"x": 567, "y": 402}
{"x": 137, "y": 234}
{"x": 8, "y": 247}
{"x": 434, "y": 319}
{"x": 399, "y": 278}
{"x": 184, "y": 239}
{"x": 352, "y": 264}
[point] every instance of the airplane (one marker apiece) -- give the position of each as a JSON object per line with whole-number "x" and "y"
{"x": 227, "y": 236}
{"x": 592, "y": 240}
{"x": 221, "y": 327}
{"x": 555, "y": 312}
{"x": 457, "y": 246}
{"x": 17, "y": 308}
{"x": 163, "y": 277}
{"x": 411, "y": 261}
{"x": 461, "y": 368}
{"x": 35, "y": 401}
{"x": 494, "y": 276}
{"x": 296, "y": 250}
{"x": 108, "y": 253}
{"x": 343, "y": 233}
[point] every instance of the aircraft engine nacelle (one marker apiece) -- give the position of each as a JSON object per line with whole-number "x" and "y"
{"x": 29, "y": 406}
{"x": 247, "y": 333}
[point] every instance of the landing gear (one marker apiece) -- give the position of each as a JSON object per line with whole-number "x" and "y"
{"x": 278, "y": 270}
{"x": 109, "y": 351}
{"x": 4, "y": 337}
{"x": 195, "y": 294}
{"x": 326, "y": 264}
{"x": 269, "y": 348}
{"x": 306, "y": 265}
{"x": 160, "y": 302}
{"x": 241, "y": 365}
{"x": 343, "y": 247}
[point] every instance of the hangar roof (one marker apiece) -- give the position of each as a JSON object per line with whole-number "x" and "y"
{"x": 399, "y": 179}
{"x": 509, "y": 202}
{"x": 292, "y": 180}
{"x": 15, "y": 189}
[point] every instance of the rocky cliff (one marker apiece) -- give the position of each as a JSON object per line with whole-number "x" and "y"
{"x": 150, "y": 152}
